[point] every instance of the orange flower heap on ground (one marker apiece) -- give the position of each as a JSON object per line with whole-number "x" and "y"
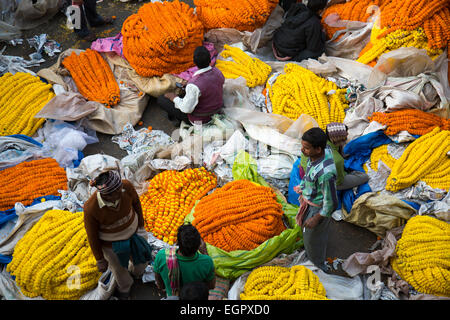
{"x": 239, "y": 216}
{"x": 243, "y": 15}
{"x": 412, "y": 120}
{"x": 93, "y": 77}
{"x": 30, "y": 180}
{"x": 161, "y": 38}
{"x": 170, "y": 197}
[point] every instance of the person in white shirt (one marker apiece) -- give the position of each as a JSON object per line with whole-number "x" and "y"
{"x": 204, "y": 93}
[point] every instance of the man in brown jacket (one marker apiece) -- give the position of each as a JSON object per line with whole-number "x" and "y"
{"x": 113, "y": 214}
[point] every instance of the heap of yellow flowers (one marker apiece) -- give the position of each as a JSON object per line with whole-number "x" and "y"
{"x": 161, "y": 38}
{"x": 53, "y": 259}
{"x": 424, "y": 159}
{"x": 170, "y": 198}
{"x": 300, "y": 91}
{"x": 381, "y": 154}
{"x": 280, "y": 283}
{"x": 397, "y": 39}
{"x": 253, "y": 70}
{"x": 422, "y": 255}
{"x": 243, "y": 15}
{"x": 22, "y": 96}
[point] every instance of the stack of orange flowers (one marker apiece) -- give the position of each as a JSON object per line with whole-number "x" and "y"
{"x": 93, "y": 77}
{"x": 412, "y": 120}
{"x": 431, "y": 15}
{"x": 239, "y": 216}
{"x": 30, "y": 180}
{"x": 243, "y": 15}
{"x": 170, "y": 197}
{"x": 161, "y": 38}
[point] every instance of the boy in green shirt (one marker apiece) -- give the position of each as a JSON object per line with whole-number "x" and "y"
{"x": 186, "y": 261}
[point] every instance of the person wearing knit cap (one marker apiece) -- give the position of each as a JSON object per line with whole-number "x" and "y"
{"x": 114, "y": 225}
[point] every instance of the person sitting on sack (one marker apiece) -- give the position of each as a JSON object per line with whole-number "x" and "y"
{"x": 115, "y": 230}
{"x": 318, "y": 195}
{"x": 175, "y": 267}
{"x": 337, "y": 134}
{"x": 204, "y": 93}
{"x": 300, "y": 36}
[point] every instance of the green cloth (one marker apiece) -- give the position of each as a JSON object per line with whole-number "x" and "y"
{"x": 199, "y": 267}
{"x": 136, "y": 247}
{"x": 338, "y": 161}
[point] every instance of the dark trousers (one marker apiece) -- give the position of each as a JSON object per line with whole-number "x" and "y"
{"x": 173, "y": 113}
{"x": 88, "y": 15}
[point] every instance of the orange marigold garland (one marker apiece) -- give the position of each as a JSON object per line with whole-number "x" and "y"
{"x": 412, "y": 120}
{"x": 243, "y": 15}
{"x": 161, "y": 38}
{"x": 432, "y": 15}
{"x": 239, "y": 216}
{"x": 170, "y": 197}
{"x": 93, "y": 77}
{"x": 30, "y": 180}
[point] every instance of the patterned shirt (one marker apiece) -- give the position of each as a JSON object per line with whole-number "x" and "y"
{"x": 319, "y": 183}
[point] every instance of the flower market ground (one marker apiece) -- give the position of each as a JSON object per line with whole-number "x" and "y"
{"x": 344, "y": 239}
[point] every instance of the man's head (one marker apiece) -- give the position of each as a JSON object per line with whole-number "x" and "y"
{"x": 337, "y": 133}
{"x": 314, "y": 142}
{"x": 109, "y": 184}
{"x": 188, "y": 239}
{"x": 316, "y": 5}
{"x": 202, "y": 58}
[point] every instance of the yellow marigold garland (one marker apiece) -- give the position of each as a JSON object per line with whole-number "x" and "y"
{"x": 22, "y": 96}
{"x": 161, "y": 38}
{"x": 381, "y": 154}
{"x": 424, "y": 159}
{"x": 243, "y": 15}
{"x": 239, "y": 216}
{"x": 422, "y": 255}
{"x": 253, "y": 70}
{"x": 280, "y": 283}
{"x": 93, "y": 77}
{"x": 395, "y": 40}
{"x": 170, "y": 197}
{"x": 30, "y": 180}
{"x": 299, "y": 91}
{"x": 44, "y": 259}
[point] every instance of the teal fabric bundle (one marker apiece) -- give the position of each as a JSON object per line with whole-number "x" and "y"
{"x": 136, "y": 248}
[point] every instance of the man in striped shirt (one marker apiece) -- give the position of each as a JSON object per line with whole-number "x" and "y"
{"x": 318, "y": 196}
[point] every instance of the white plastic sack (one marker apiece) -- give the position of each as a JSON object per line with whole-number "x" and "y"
{"x": 15, "y": 229}
{"x": 105, "y": 288}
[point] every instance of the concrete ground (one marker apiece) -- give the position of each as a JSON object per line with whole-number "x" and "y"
{"x": 344, "y": 239}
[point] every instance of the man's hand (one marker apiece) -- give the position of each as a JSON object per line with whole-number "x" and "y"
{"x": 202, "y": 248}
{"x": 170, "y": 95}
{"x": 313, "y": 221}
{"x": 102, "y": 265}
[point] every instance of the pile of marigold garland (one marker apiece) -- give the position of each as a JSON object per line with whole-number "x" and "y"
{"x": 412, "y": 120}
{"x": 253, "y": 70}
{"x": 280, "y": 283}
{"x": 22, "y": 96}
{"x": 30, "y": 180}
{"x": 300, "y": 91}
{"x": 239, "y": 216}
{"x": 243, "y": 15}
{"x": 161, "y": 38}
{"x": 422, "y": 255}
{"x": 49, "y": 253}
{"x": 93, "y": 77}
{"x": 170, "y": 197}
